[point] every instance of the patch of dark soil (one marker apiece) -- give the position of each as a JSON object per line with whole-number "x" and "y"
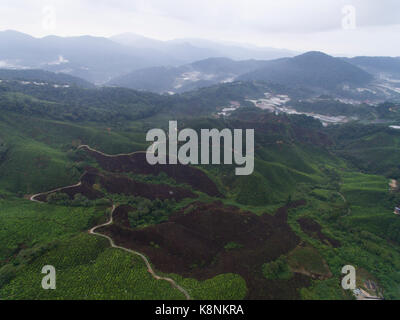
{"x": 123, "y": 185}
{"x": 121, "y": 216}
{"x": 116, "y": 184}
{"x": 313, "y": 229}
{"x": 85, "y": 189}
{"x": 192, "y": 244}
{"x": 137, "y": 164}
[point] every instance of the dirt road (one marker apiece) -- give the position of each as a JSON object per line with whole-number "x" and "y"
{"x": 93, "y": 231}
{"x": 146, "y": 261}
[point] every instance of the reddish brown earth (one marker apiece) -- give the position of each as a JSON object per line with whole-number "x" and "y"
{"x": 192, "y": 243}
{"x": 85, "y": 189}
{"x": 313, "y": 229}
{"x": 136, "y": 163}
{"x": 114, "y": 183}
{"x": 117, "y": 184}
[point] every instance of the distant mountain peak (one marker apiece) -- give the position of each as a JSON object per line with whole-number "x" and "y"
{"x": 16, "y": 35}
{"x": 312, "y": 69}
{"x": 314, "y": 54}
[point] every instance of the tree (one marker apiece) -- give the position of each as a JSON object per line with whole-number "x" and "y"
{"x": 58, "y": 199}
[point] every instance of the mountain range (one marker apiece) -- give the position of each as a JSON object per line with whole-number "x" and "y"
{"x": 312, "y": 70}
{"x": 77, "y": 191}
{"x": 378, "y": 65}
{"x": 186, "y": 77}
{"x": 42, "y": 77}
{"x": 99, "y": 59}
{"x": 182, "y": 65}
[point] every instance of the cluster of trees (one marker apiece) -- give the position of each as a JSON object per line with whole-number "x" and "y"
{"x": 359, "y": 145}
{"x": 42, "y": 76}
{"x": 161, "y": 178}
{"x": 332, "y": 107}
{"x": 79, "y": 104}
{"x": 148, "y": 212}
{"x": 24, "y": 257}
{"x": 388, "y": 110}
{"x": 79, "y": 200}
{"x": 278, "y": 269}
{"x": 120, "y": 104}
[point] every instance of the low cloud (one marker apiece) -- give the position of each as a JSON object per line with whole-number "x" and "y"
{"x": 261, "y": 22}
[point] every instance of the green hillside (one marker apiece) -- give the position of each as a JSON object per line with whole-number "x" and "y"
{"x": 325, "y": 189}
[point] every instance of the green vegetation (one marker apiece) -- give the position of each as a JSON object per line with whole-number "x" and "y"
{"x": 41, "y": 76}
{"x": 24, "y": 224}
{"x": 233, "y": 245}
{"x": 79, "y": 200}
{"x": 146, "y": 212}
{"x": 308, "y": 259}
{"x": 222, "y": 287}
{"x": 325, "y": 290}
{"x": 88, "y": 269}
{"x": 342, "y": 172}
{"x": 361, "y": 225}
{"x": 278, "y": 269}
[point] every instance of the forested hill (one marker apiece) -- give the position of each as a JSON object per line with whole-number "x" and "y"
{"x": 119, "y": 104}
{"x": 41, "y": 76}
{"x": 314, "y": 69}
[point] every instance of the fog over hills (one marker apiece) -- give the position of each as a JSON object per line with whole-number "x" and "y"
{"x": 95, "y": 59}
{"x": 181, "y": 65}
{"x": 186, "y": 77}
{"x": 192, "y": 49}
{"x": 312, "y": 69}
{"x": 98, "y": 59}
{"x": 201, "y": 150}
{"x": 378, "y": 65}
{"x": 42, "y": 77}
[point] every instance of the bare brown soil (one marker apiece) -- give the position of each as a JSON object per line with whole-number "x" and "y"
{"x": 117, "y": 184}
{"x": 192, "y": 243}
{"x": 114, "y": 183}
{"x": 313, "y": 229}
{"x": 84, "y": 188}
{"x": 136, "y": 163}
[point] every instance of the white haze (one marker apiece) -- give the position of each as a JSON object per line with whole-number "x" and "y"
{"x": 299, "y": 25}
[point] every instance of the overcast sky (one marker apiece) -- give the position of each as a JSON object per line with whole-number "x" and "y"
{"x": 352, "y": 27}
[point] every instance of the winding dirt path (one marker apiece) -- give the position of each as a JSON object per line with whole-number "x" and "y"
{"x": 52, "y": 191}
{"x": 146, "y": 261}
{"x": 113, "y": 245}
{"x": 109, "y": 155}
